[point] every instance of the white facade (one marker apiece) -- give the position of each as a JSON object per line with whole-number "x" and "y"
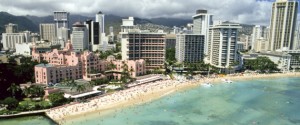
{"x": 128, "y": 25}
{"x": 222, "y": 47}
{"x": 297, "y": 37}
{"x": 282, "y": 59}
{"x": 23, "y": 49}
{"x": 260, "y": 45}
{"x": 189, "y": 48}
{"x": 259, "y": 32}
{"x": 283, "y": 24}
{"x": 11, "y": 28}
{"x": 47, "y": 32}
{"x": 79, "y": 37}
{"x": 201, "y": 23}
{"x": 9, "y": 40}
{"x": 100, "y": 20}
{"x": 63, "y": 33}
{"x": 246, "y": 40}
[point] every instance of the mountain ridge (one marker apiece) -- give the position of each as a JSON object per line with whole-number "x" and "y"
{"x": 31, "y": 22}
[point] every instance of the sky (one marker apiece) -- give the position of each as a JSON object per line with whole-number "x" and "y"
{"x": 242, "y": 11}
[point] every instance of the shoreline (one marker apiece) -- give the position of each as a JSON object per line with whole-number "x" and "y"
{"x": 155, "y": 91}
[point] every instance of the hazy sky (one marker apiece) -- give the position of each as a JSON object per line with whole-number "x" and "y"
{"x": 243, "y": 11}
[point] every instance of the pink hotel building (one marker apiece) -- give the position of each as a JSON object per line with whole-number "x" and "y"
{"x": 67, "y": 64}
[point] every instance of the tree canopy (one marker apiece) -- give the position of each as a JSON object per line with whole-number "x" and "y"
{"x": 57, "y": 98}
{"x": 170, "y": 55}
{"x": 263, "y": 64}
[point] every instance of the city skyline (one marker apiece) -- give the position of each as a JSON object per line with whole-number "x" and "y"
{"x": 242, "y": 11}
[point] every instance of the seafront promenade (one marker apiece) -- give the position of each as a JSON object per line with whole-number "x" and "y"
{"x": 144, "y": 93}
{"x": 24, "y": 113}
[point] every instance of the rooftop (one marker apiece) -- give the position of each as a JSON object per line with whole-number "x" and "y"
{"x": 44, "y": 65}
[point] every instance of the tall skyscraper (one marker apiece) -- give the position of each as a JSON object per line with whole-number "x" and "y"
{"x": 94, "y": 32}
{"x": 189, "y": 48}
{"x": 61, "y": 19}
{"x": 137, "y": 44}
{"x": 297, "y": 37}
{"x": 79, "y": 37}
{"x": 201, "y": 22}
{"x": 222, "y": 47}
{"x": 100, "y": 20}
{"x": 11, "y": 28}
{"x": 260, "y": 38}
{"x": 47, "y": 31}
{"x": 283, "y": 24}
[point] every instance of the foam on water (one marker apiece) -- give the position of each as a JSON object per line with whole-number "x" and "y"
{"x": 266, "y": 101}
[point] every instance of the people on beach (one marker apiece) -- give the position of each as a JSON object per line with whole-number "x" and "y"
{"x": 138, "y": 94}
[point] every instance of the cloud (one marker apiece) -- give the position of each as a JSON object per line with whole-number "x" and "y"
{"x": 242, "y": 11}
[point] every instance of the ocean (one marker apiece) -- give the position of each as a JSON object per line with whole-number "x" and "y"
{"x": 259, "y": 101}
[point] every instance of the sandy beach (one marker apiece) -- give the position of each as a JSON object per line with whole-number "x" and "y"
{"x": 144, "y": 93}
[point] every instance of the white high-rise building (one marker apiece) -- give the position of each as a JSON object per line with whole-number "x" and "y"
{"x": 63, "y": 33}
{"x": 189, "y": 48}
{"x": 283, "y": 24}
{"x": 100, "y": 20}
{"x": 11, "y": 28}
{"x": 47, "y": 31}
{"x": 79, "y": 37}
{"x": 128, "y": 25}
{"x": 137, "y": 44}
{"x": 9, "y": 40}
{"x": 258, "y": 32}
{"x": 246, "y": 40}
{"x": 61, "y": 19}
{"x": 222, "y": 47}
{"x": 201, "y": 23}
{"x": 297, "y": 37}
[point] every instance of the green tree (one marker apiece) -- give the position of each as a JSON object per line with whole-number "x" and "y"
{"x": 80, "y": 88}
{"x": 118, "y": 56}
{"x": 13, "y": 89}
{"x": 262, "y": 64}
{"x": 37, "y": 91}
{"x": 170, "y": 56}
{"x": 26, "y": 91}
{"x": 92, "y": 83}
{"x": 11, "y": 103}
{"x": 34, "y": 91}
{"x": 57, "y": 98}
{"x": 111, "y": 66}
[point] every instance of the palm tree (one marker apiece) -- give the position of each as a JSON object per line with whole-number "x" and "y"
{"x": 13, "y": 89}
{"x": 92, "y": 83}
{"x": 80, "y": 88}
{"x": 26, "y": 91}
{"x": 37, "y": 91}
{"x": 72, "y": 84}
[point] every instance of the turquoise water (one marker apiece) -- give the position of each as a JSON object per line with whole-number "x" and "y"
{"x": 264, "y": 102}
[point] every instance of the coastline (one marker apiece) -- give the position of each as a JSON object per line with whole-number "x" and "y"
{"x": 156, "y": 91}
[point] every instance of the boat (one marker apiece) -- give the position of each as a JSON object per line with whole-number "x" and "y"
{"x": 227, "y": 81}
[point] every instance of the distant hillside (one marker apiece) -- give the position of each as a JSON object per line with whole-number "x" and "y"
{"x": 170, "y": 22}
{"x": 23, "y": 22}
{"x": 246, "y": 29}
{"x": 31, "y": 23}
